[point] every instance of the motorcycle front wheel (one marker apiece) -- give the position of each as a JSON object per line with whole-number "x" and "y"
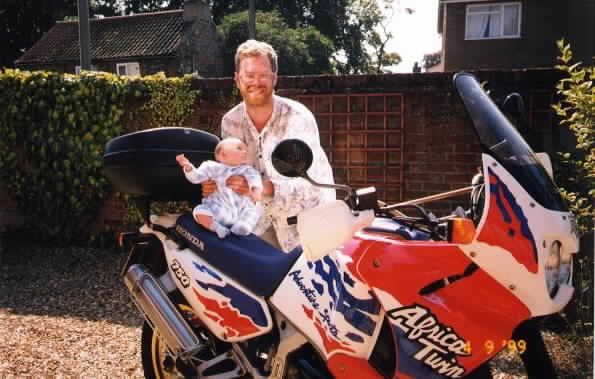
{"x": 157, "y": 361}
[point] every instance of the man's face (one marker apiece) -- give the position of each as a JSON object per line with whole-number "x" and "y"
{"x": 255, "y": 80}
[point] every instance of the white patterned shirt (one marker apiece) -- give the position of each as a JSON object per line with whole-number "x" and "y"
{"x": 290, "y": 119}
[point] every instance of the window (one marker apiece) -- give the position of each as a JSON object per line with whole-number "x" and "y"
{"x": 128, "y": 69}
{"x": 493, "y": 21}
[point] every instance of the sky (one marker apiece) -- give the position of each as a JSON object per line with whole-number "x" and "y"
{"x": 414, "y": 34}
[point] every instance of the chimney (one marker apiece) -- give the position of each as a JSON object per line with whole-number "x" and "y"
{"x": 196, "y": 10}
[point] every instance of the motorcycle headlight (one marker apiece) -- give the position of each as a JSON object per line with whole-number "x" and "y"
{"x": 552, "y": 268}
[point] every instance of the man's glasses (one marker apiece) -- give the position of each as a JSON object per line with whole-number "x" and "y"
{"x": 256, "y": 78}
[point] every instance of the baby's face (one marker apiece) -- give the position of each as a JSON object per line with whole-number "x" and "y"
{"x": 234, "y": 154}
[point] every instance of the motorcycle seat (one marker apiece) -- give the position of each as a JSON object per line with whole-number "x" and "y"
{"x": 249, "y": 260}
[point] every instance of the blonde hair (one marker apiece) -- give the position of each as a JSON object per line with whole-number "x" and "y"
{"x": 223, "y": 144}
{"x": 253, "y": 48}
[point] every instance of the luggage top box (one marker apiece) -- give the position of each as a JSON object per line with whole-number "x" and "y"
{"x": 144, "y": 163}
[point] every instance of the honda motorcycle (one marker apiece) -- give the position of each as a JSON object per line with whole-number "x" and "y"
{"x": 374, "y": 291}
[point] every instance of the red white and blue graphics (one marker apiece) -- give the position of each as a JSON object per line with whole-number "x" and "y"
{"x": 333, "y": 309}
{"x": 340, "y": 302}
{"x": 229, "y": 310}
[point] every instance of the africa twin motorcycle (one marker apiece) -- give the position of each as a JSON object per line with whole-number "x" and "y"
{"x": 372, "y": 292}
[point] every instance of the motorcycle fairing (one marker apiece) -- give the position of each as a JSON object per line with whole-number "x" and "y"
{"x": 262, "y": 266}
{"x": 513, "y": 238}
{"x": 230, "y": 311}
{"x": 330, "y": 306}
{"x": 441, "y": 334}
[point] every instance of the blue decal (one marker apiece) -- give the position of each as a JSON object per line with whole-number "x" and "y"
{"x": 426, "y": 348}
{"x": 207, "y": 270}
{"x": 345, "y": 303}
{"x": 354, "y": 337}
{"x": 246, "y": 304}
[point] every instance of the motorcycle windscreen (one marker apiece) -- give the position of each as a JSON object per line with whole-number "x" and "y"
{"x": 502, "y": 141}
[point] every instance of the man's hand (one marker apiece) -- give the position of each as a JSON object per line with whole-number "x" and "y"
{"x": 238, "y": 184}
{"x": 208, "y": 187}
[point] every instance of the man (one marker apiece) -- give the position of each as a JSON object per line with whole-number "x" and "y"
{"x": 261, "y": 121}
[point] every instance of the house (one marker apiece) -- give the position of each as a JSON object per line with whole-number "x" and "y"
{"x": 176, "y": 42}
{"x": 492, "y": 34}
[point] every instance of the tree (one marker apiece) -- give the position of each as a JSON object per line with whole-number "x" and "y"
{"x": 349, "y": 24}
{"x": 301, "y": 51}
{"x": 23, "y": 22}
{"x": 432, "y": 59}
{"x": 378, "y": 33}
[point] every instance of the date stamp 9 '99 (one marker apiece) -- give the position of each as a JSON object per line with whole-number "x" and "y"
{"x": 489, "y": 346}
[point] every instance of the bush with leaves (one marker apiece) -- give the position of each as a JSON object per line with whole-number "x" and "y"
{"x": 53, "y": 130}
{"x": 577, "y": 180}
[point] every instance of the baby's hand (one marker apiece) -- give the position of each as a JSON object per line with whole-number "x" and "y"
{"x": 184, "y": 162}
{"x": 256, "y": 194}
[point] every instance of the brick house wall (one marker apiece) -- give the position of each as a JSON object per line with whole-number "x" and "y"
{"x": 543, "y": 22}
{"x": 148, "y": 66}
{"x": 439, "y": 150}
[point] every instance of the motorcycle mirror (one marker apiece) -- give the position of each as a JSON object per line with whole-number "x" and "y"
{"x": 292, "y": 158}
{"x": 514, "y": 106}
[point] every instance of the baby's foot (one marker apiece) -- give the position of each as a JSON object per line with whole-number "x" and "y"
{"x": 241, "y": 229}
{"x": 221, "y": 230}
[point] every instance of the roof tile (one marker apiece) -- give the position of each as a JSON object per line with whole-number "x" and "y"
{"x": 140, "y": 35}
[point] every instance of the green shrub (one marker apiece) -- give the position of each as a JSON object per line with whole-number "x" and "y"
{"x": 53, "y": 130}
{"x": 577, "y": 178}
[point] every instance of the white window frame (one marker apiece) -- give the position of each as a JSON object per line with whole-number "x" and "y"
{"x": 128, "y": 68}
{"x": 470, "y": 13}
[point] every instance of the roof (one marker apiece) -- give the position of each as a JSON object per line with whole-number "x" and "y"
{"x": 140, "y": 35}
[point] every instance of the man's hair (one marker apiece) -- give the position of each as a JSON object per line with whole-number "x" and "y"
{"x": 253, "y": 48}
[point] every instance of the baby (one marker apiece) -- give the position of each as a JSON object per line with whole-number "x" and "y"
{"x": 225, "y": 210}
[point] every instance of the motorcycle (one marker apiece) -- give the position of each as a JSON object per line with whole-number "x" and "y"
{"x": 372, "y": 292}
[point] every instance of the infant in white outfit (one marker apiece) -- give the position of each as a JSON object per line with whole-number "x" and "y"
{"x": 225, "y": 210}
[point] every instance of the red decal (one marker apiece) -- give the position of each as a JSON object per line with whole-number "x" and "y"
{"x": 330, "y": 344}
{"x": 506, "y": 226}
{"x": 345, "y": 366}
{"x": 234, "y": 323}
{"x": 309, "y": 312}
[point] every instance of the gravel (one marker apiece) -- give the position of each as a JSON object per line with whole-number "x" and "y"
{"x": 64, "y": 313}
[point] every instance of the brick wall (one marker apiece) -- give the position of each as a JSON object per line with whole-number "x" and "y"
{"x": 440, "y": 152}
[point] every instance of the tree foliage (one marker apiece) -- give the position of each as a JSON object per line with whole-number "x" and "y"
{"x": 23, "y": 22}
{"x": 577, "y": 110}
{"x": 577, "y": 178}
{"x": 350, "y": 25}
{"x": 357, "y": 28}
{"x": 300, "y": 51}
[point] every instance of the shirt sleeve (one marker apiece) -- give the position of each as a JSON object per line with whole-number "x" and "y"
{"x": 201, "y": 173}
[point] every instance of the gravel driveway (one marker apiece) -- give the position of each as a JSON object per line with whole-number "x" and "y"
{"x": 64, "y": 313}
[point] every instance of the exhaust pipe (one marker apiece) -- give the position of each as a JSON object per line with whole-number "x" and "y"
{"x": 158, "y": 309}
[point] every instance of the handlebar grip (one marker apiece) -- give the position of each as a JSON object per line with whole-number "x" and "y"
{"x": 292, "y": 220}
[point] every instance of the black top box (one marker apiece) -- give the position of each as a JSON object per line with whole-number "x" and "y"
{"x": 144, "y": 164}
